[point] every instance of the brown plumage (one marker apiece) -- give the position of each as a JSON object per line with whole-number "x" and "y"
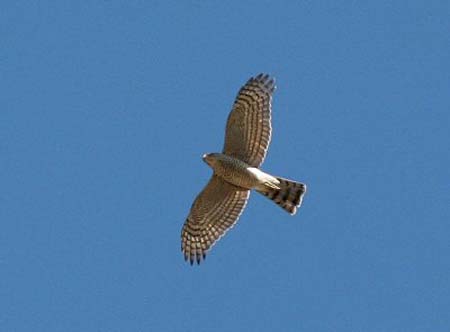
{"x": 289, "y": 196}
{"x": 236, "y": 171}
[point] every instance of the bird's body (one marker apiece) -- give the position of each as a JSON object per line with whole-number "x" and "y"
{"x": 237, "y": 171}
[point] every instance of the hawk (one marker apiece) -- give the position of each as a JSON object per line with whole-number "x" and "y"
{"x": 236, "y": 171}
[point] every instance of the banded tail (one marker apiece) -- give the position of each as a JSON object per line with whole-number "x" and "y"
{"x": 289, "y": 196}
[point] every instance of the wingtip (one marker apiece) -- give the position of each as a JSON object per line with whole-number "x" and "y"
{"x": 194, "y": 258}
{"x": 262, "y": 76}
{"x": 259, "y": 76}
{"x": 266, "y": 79}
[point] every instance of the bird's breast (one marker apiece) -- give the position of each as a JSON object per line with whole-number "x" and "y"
{"x": 236, "y": 172}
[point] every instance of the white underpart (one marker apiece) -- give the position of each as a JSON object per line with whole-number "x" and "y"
{"x": 262, "y": 177}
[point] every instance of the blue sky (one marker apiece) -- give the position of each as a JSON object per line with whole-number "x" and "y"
{"x": 106, "y": 108}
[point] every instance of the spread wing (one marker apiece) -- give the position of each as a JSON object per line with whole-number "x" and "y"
{"x": 215, "y": 210}
{"x": 248, "y": 129}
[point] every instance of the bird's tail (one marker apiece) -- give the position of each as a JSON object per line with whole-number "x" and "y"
{"x": 289, "y": 196}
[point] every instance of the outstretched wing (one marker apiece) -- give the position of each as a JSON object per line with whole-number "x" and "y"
{"x": 248, "y": 129}
{"x": 215, "y": 210}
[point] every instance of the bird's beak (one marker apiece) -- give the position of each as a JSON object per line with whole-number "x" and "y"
{"x": 206, "y": 159}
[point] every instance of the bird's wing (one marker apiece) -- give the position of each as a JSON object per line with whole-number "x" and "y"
{"x": 248, "y": 128}
{"x": 215, "y": 210}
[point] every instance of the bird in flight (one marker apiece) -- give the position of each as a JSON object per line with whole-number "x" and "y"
{"x": 236, "y": 171}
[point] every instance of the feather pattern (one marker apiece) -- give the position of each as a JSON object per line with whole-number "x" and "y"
{"x": 248, "y": 129}
{"x": 215, "y": 210}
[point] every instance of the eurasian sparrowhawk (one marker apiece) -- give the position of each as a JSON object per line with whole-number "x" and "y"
{"x": 236, "y": 171}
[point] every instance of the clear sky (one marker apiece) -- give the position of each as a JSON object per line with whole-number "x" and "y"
{"x": 106, "y": 108}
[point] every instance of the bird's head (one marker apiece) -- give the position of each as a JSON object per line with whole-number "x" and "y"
{"x": 210, "y": 158}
